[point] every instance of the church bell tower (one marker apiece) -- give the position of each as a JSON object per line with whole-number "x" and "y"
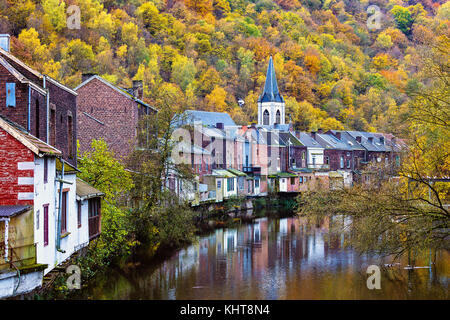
{"x": 271, "y": 106}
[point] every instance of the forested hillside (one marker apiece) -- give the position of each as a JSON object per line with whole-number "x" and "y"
{"x": 332, "y": 70}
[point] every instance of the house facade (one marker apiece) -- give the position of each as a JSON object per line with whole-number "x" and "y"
{"x": 42, "y": 223}
{"x": 40, "y": 104}
{"x": 107, "y": 112}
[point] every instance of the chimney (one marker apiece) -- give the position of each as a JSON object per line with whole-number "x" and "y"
{"x": 358, "y": 139}
{"x": 5, "y": 41}
{"x": 138, "y": 89}
{"x": 370, "y": 139}
{"x": 86, "y": 76}
{"x": 219, "y": 125}
{"x": 320, "y": 131}
{"x": 313, "y": 135}
{"x": 382, "y": 140}
{"x": 338, "y": 135}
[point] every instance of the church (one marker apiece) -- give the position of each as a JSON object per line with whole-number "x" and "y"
{"x": 271, "y": 105}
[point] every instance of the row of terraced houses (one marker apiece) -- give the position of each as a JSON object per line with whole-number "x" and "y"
{"x": 47, "y": 214}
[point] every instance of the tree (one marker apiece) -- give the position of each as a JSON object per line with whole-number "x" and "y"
{"x": 100, "y": 169}
{"x": 183, "y": 71}
{"x": 216, "y": 100}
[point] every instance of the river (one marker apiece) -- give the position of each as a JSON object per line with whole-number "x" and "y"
{"x": 273, "y": 258}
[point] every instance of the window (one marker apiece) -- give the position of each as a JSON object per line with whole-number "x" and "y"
{"x": 278, "y": 117}
{"x": 348, "y": 163}
{"x": 10, "y": 94}
{"x": 70, "y": 135}
{"x": 94, "y": 205}
{"x": 266, "y": 118}
{"x": 342, "y": 162}
{"x": 230, "y": 184}
{"x": 37, "y": 119}
{"x": 45, "y": 224}
{"x": 327, "y": 160}
{"x": 52, "y": 127}
{"x": 257, "y": 183}
{"x": 246, "y": 161}
{"x": 292, "y": 180}
{"x": 45, "y": 170}
{"x": 303, "y": 155}
{"x": 355, "y": 162}
{"x": 241, "y": 183}
{"x": 64, "y": 213}
{"x": 79, "y": 213}
{"x": 219, "y": 184}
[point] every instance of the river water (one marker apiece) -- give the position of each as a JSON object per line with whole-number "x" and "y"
{"x": 284, "y": 258}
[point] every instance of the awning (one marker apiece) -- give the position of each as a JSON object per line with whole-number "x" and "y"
{"x": 225, "y": 173}
{"x": 11, "y": 211}
{"x": 237, "y": 172}
{"x": 334, "y": 174}
{"x": 86, "y": 191}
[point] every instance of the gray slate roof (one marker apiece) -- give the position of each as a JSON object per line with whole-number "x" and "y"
{"x": 11, "y": 211}
{"x": 375, "y": 146}
{"x": 209, "y": 119}
{"x": 348, "y": 140}
{"x": 307, "y": 141}
{"x": 329, "y": 141}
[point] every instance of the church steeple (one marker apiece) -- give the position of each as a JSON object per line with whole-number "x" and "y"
{"x": 271, "y": 93}
{"x": 271, "y": 108}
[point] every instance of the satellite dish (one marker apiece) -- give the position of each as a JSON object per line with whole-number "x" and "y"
{"x": 241, "y": 102}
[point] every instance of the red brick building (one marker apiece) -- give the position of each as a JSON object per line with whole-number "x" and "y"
{"x": 109, "y": 112}
{"x": 39, "y": 104}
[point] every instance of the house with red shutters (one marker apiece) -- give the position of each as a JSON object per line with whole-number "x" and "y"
{"x": 45, "y": 213}
{"x": 41, "y": 105}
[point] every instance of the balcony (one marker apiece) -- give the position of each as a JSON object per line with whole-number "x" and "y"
{"x": 319, "y": 166}
{"x": 252, "y": 170}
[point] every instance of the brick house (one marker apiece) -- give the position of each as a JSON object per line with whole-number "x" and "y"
{"x": 109, "y": 112}
{"x": 336, "y": 154}
{"x": 40, "y": 104}
{"x": 41, "y": 222}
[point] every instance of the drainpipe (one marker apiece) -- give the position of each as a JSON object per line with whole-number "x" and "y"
{"x": 6, "y": 221}
{"x": 48, "y": 110}
{"x": 58, "y": 230}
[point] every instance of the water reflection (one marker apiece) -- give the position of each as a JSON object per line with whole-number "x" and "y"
{"x": 274, "y": 259}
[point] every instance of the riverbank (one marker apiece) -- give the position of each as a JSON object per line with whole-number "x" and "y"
{"x": 229, "y": 214}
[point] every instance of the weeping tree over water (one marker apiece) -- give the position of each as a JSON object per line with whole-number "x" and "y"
{"x": 393, "y": 215}
{"x": 159, "y": 217}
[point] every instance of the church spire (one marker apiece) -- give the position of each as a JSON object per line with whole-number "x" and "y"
{"x": 271, "y": 93}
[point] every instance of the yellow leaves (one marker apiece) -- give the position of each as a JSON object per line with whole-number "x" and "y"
{"x": 55, "y": 11}
{"x": 130, "y": 33}
{"x": 52, "y": 68}
{"x": 122, "y": 51}
{"x": 384, "y": 61}
{"x": 216, "y": 100}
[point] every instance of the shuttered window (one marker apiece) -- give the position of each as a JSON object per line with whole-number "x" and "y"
{"x": 45, "y": 224}
{"x": 64, "y": 213}
{"x": 10, "y": 94}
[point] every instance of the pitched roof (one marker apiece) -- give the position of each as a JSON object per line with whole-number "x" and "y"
{"x": 119, "y": 90}
{"x": 375, "y": 145}
{"x": 348, "y": 140}
{"x": 329, "y": 141}
{"x": 11, "y": 211}
{"x": 40, "y": 76}
{"x": 307, "y": 141}
{"x": 13, "y": 71}
{"x": 271, "y": 92}
{"x": 287, "y": 136}
{"x": 209, "y": 119}
{"x": 86, "y": 191}
{"x": 37, "y": 146}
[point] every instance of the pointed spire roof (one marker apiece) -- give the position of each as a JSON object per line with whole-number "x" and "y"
{"x": 271, "y": 93}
